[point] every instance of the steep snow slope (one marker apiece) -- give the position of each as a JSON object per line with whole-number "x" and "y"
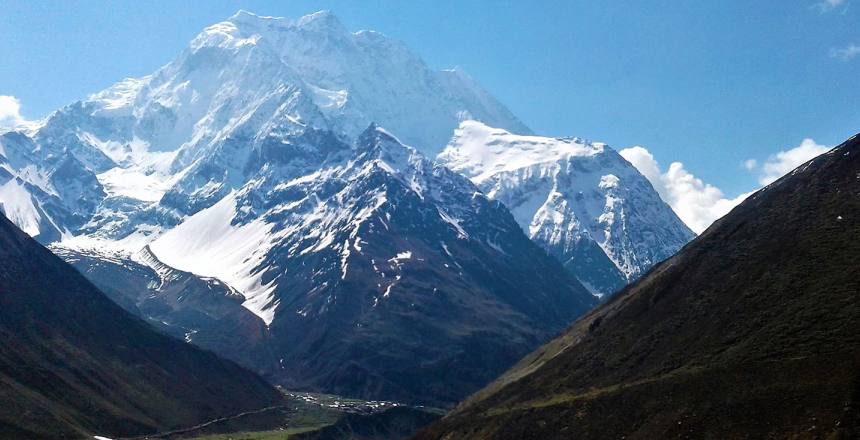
{"x": 210, "y": 244}
{"x": 18, "y": 206}
{"x": 581, "y": 201}
{"x": 363, "y": 77}
{"x": 250, "y": 72}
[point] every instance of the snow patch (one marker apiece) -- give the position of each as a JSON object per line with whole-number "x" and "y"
{"x": 401, "y": 256}
{"x": 608, "y": 181}
{"x": 135, "y": 183}
{"x": 210, "y": 244}
{"x": 18, "y": 206}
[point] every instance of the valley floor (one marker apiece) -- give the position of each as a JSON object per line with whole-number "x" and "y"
{"x": 316, "y": 416}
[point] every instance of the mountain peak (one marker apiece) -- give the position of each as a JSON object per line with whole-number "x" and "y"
{"x": 255, "y": 77}
{"x": 579, "y": 199}
{"x": 485, "y": 150}
{"x": 374, "y": 134}
{"x": 245, "y": 16}
{"x": 384, "y": 146}
{"x": 247, "y": 21}
{"x": 321, "y": 20}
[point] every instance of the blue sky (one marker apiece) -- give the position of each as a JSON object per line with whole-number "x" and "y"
{"x": 710, "y": 84}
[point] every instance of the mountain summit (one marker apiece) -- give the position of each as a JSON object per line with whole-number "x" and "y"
{"x": 580, "y": 200}
{"x": 267, "y": 195}
{"x": 251, "y": 79}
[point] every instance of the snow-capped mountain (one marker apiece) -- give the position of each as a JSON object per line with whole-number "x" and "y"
{"x": 374, "y": 273}
{"x": 183, "y": 135}
{"x": 581, "y": 201}
{"x": 379, "y": 271}
{"x": 44, "y": 193}
{"x": 236, "y": 198}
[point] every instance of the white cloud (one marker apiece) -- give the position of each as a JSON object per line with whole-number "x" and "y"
{"x": 846, "y": 53}
{"x": 779, "y": 164}
{"x": 10, "y": 111}
{"x": 829, "y": 5}
{"x": 697, "y": 203}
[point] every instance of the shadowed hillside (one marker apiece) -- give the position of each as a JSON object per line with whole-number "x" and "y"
{"x": 73, "y": 363}
{"x": 751, "y": 331}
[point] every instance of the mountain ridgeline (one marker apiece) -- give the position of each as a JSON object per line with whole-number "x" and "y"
{"x": 321, "y": 208}
{"x": 267, "y": 195}
{"x": 579, "y": 200}
{"x": 384, "y": 274}
{"x": 74, "y": 364}
{"x": 751, "y": 331}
